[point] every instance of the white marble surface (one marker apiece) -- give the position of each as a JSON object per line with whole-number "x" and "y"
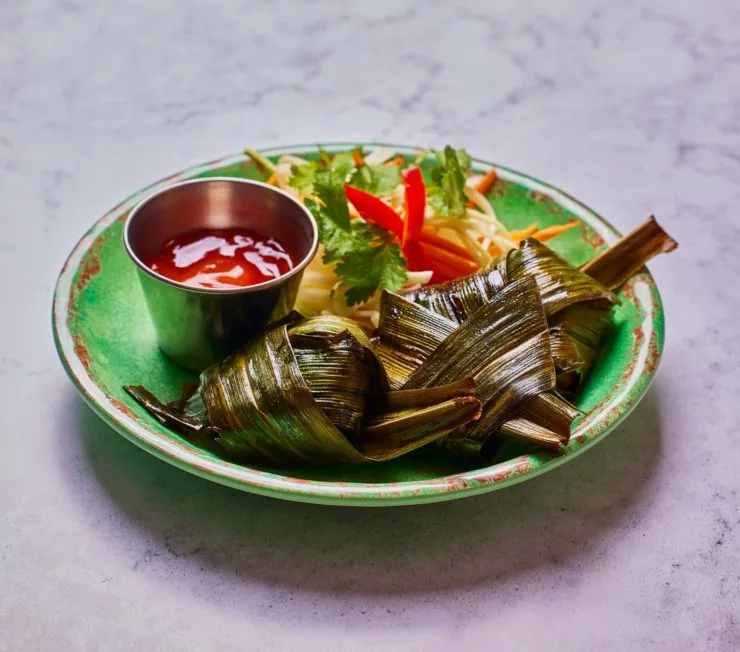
{"x": 632, "y": 106}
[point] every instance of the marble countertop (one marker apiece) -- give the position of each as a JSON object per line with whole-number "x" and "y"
{"x": 632, "y": 106}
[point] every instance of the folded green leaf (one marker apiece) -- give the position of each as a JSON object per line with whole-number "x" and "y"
{"x": 508, "y": 382}
{"x": 456, "y": 300}
{"x": 576, "y": 335}
{"x": 622, "y": 260}
{"x": 551, "y": 411}
{"x": 407, "y": 399}
{"x": 300, "y": 396}
{"x": 396, "y": 433}
{"x": 544, "y": 421}
{"x": 512, "y": 317}
{"x": 265, "y": 412}
{"x": 505, "y": 347}
{"x": 407, "y": 335}
{"x": 167, "y": 414}
{"x": 561, "y": 285}
{"x": 532, "y": 433}
{"x": 340, "y": 373}
{"x": 574, "y": 301}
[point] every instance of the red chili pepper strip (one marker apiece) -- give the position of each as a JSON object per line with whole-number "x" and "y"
{"x": 429, "y": 236}
{"x": 438, "y": 277}
{"x": 414, "y": 255}
{"x": 415, "y": 201}
{"x": 375, "y": 211}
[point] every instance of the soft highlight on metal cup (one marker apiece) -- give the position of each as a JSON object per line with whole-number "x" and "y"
{"x": 196, "y": 327}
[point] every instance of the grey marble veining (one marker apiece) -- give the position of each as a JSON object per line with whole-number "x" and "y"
{"x": 632, "y": 106}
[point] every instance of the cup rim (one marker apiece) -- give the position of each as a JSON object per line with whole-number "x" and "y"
{"x": 297, "y": 269}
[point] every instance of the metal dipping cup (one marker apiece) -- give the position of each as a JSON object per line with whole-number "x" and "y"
{"x": 196, "y": 327}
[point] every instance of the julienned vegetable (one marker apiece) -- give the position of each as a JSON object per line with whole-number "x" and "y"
{"x": 431, "y": 222}
{"x": 375, "y": 211}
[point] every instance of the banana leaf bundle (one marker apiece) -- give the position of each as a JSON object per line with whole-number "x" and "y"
{"x": 312, "y": 393}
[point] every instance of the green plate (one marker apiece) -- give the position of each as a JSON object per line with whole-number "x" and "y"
{"x": 105, "y": 340}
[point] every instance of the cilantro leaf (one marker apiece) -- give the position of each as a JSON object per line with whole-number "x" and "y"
{"x": 463, "y": 158}
{"x": 342, "y": 165}
{"x": 336, "y": 240}
{"x": 378, "y": 180}
{"x": 379, "y": 267}
{"x": 332, "y": 216}
{"x": 366, "y": 257}
{"x": 302, "y": 176}
{"x": 446, "y": 192}
{"x": 329, "y": 169}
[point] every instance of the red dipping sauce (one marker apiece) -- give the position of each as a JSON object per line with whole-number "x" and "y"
{"x": 222, "y": 259}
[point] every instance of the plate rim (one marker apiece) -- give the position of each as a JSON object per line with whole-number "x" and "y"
{"x": 588, "y": 431}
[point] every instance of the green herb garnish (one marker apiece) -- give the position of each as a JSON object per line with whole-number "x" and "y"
{"x": 446, "y": 191}
{"x": 378, "y": 180}
{"x": 366, "y": 258}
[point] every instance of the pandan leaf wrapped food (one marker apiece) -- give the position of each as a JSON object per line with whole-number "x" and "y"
{"x": 458, "y": 365}
{"x": 561, "y": 286}
{"x": 456, "y": 300}
{"x": 577, "y": 303}
{"x": 579, "y": 329}
{"x": 310, "y": 394}
{"x": 578, "y": 308}
{"x": 504, "y": 345}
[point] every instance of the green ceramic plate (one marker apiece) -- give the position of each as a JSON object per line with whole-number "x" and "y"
{"x": 105, "y": 340}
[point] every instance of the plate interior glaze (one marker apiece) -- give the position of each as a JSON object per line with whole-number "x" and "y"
{"x": 105, "y": 340}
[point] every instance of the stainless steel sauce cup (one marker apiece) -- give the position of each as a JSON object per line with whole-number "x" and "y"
{"x": 196, "y": 327}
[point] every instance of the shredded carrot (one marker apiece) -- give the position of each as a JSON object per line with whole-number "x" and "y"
{"x": 493, "y": 250}
{"x": 517, "y": 236}
{"x": 445, "y": 261}
{"x": 484, "y": 185}
{"x": 430, "y": 236}
{"x": 486, "y": 182}
{"x": 357, "y": 156}
{"x": 550, "y": 232}
{"x": 272, "y": 180}
{"x": 444, "y": 273}
{"x": 398, "y": 162}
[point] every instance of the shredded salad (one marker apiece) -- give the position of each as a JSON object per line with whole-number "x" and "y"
{"x": 389, "y": 223}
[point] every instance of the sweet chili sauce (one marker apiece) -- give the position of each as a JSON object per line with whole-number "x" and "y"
{"x": 222, "y": 259}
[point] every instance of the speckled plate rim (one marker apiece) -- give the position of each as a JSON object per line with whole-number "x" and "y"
{"x": 587, "y": 432}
